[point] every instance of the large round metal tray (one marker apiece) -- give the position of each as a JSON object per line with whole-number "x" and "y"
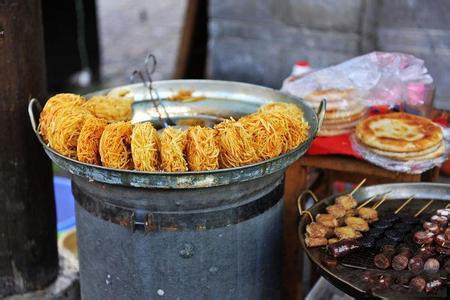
{"x": 349, "y": 279}
{"x": 224, "y": 98}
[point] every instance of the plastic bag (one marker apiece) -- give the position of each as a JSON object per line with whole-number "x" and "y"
{"x": 381, "y": 77}
{"x": 396, "y": 80}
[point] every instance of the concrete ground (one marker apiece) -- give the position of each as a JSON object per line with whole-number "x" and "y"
{"x": 130, "y": 29}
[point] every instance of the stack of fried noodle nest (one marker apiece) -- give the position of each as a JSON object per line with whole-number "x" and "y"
{"x": 99, "y": 132}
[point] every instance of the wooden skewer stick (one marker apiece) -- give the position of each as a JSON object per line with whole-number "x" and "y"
{"x": 358, "y": 186}
{"x": 366, "y": 202}
{"x": 404, "y": 204}
{"x": 423, "y": 208}
{"x": 375, "y": 206}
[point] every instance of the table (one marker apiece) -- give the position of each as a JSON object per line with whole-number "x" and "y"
{"x": 332, "y": 168}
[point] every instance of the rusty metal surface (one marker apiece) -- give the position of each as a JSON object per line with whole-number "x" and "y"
{"x": 349, "y": 279}
{"x": 230, "y": 98}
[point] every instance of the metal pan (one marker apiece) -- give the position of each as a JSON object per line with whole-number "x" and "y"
{"x": 221, "y": 98}
{"x": 349, "y": 279}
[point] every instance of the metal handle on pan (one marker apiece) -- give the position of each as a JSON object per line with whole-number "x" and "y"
{"x": 321, "y": 113}
{"x": 300, "y": 201}
{"x": 34, "y": 102}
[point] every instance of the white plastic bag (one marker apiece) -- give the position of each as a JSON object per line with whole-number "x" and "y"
{"x": 380, "y": 78}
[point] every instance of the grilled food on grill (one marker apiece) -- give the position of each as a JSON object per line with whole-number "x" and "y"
{"x": 315, "y": 242}
{"x": 351, "y": 212}
{"x": 317, "y": 230}
{"x": 346, "y": 233}
{"x": 368, "y": 214}
{"x": 332, "y": 241}
{"x": 327, "y": 220}
{"x": 344, "y": 247}
{"x": 347, "y": 201}
{"x": 336, "y": 210}
{"x": 356, "y": 223}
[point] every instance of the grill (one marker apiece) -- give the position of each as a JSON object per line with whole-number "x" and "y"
{"x": 349, "y": 273}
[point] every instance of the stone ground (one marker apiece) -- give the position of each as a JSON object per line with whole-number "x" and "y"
{"x": 130, "y": 29}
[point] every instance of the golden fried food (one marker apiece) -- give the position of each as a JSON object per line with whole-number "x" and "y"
{"x": 173, "y": 142}
{"x": 112, "y": 109}
{"x": 235, "y": 143}
{"x": 327, "y": 220}
{"x": 145, "y": 147}
{"x": 346, "y": 233}
{"x": 368, "y": 214}
{"x": 351, "y": 212}
{"x": 275, "y": 133}
{"x": 316, "y": 230}
{"x": 336, "y": 210}
{"x": 283, "y": 107}
{"x": 341, "y": 221}
{"x": 202, "y": 151}
{"x": 53, "y": 104}
{"x": 347, "y": 201}
{"x": 65, "y": 128}
{"x": 115, "y": 146}
{"x": 357, "y": 223}
{"x": 315, "y": 242}
{"x": 332, "y": 241}
{"x": 399, "y": 132}
{"x": 89, "y": 140}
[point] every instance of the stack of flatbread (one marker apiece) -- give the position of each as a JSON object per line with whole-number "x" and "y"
{"x": 344, "y": 110}
{"x": 401, "y": 136}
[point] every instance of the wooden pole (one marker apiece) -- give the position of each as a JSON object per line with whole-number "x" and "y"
{"x": 28, "y": 253}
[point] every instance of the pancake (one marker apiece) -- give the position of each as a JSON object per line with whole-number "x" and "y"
{"x": 332, "y": 95}
{"x": 333, "y": 132}
{"x": 354, "y": 113}
{"x": 399, "y": 132}
{"x": 429, "y": 153}
{"x": 335, "y": 106}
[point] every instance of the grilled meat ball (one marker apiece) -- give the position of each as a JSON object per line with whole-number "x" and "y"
{"x": 368, "y": 214}
{"x": 346, "y": 233}
{"x": 357, "y": 223}
{"x": 347, "y": 201}
{"x": 327, "y": 220}
{"x": 336, "y": 210}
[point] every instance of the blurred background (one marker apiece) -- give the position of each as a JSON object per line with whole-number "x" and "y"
{"x": 92, "y": 44}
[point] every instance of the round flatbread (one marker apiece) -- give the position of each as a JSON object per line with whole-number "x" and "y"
{"x": 346, "y": 116}
{"x": 399, "y": 132}
{"x": 333, "y": 132}
{"x": 429, "y": 153}
{"x": 336, "y": 106}
{"x": 332, "y": 95}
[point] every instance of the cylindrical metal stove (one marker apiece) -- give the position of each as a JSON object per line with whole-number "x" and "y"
{"x": 209, "y": 243}
{"x": 186, "y": 235}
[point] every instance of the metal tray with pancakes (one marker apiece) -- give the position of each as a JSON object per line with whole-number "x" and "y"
{"x": 399, "y": 132}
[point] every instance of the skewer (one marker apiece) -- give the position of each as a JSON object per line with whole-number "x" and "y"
{"x": 447, "y": 206}
{"x": 357, "y": 187}
{"x": 371, "y": 198}
{"x": 366, "y": 202}
{"x": 375, "y": 206}
{"x": 404, "y": 204}
{"x": 423, "y": 208}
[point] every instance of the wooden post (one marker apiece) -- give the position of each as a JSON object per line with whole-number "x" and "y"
{"x": 28, "y": 253}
